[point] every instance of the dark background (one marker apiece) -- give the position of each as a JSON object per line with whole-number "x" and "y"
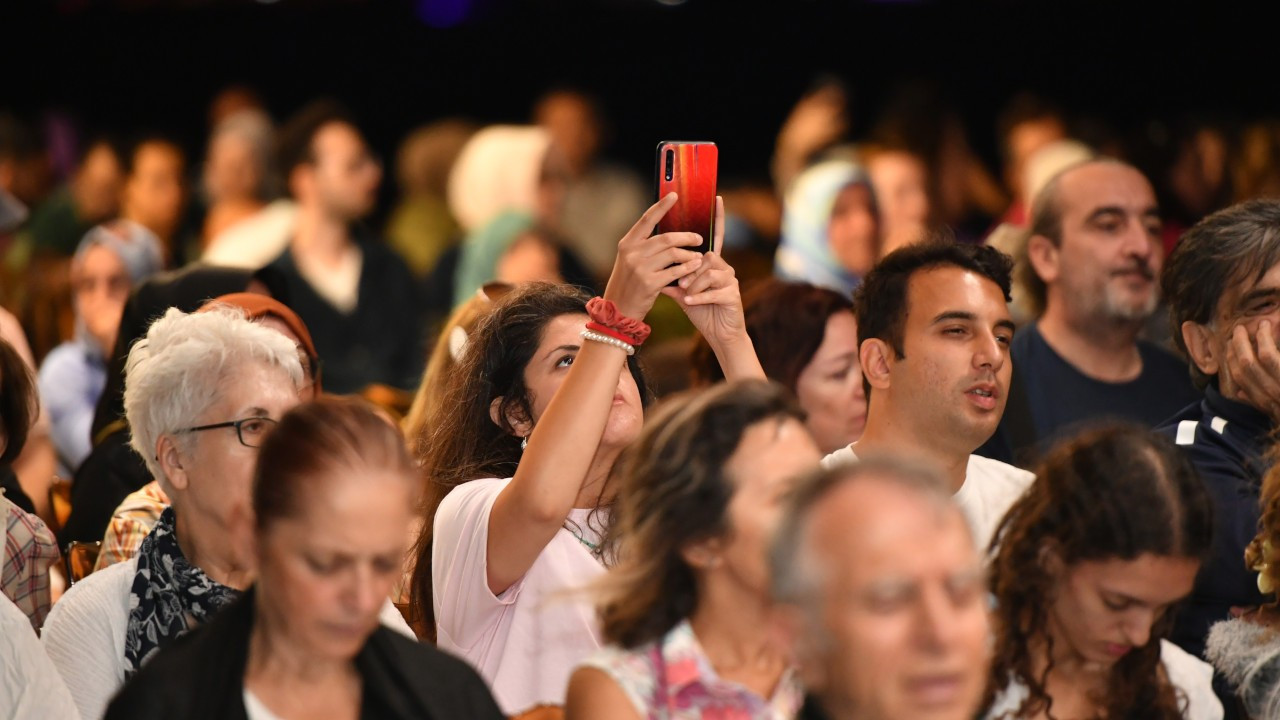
{"x": 723, "y": 70}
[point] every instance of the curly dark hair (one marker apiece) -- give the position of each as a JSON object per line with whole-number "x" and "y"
{"x": 460, "y": 441}
{"x": 1116, "y": 492}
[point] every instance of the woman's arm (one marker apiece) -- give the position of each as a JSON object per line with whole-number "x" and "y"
{"x": 710, "y": 296}
{"x": 563, "y": 442}
{"x": 593, "y": 694}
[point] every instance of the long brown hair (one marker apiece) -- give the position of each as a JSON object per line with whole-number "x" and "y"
{"x": 1112, "y": 493}
{"x": 459, "y": 441}
{"x": 674, "y": 492}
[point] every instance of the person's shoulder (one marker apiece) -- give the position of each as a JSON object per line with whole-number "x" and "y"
{"x": 445, "y": 679}
{"x": 836, "y": 458}
{"x": 66, "y": 356}
{"x": 95, "y": 599}
{"x": 987, "y": 468}
{"x": 1194, "y": 677}
{"x": 472, "y": 491}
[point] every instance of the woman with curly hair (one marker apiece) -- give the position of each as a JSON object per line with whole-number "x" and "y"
{"x": 1085, "y": 569}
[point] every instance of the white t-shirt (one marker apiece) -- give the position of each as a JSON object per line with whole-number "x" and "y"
{"x": 990, "y": 488}
{"x": 85, "y": 634}
{"x": 256, "y": 240}
{"x": 30, "y": 686}
{"x": 1190, "y": 674}
{"x": 526, "y": 642}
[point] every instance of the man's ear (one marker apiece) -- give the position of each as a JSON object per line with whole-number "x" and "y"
{"x": 1198, "y": 339}
{"x": 520, "y": 425}
{"x": 1044, "y": 257}
{"x": 170, "y": 459}
{"x": 876, "y": 357}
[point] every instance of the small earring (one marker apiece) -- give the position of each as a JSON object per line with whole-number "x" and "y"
{"x": 524, "y": 443}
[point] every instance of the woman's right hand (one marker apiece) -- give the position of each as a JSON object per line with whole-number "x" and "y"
{"x": 647, "y": 263}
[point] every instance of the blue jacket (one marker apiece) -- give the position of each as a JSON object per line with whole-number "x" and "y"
{"x": 1227, "y": 441}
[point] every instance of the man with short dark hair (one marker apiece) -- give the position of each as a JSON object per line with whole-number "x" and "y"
{"x": 355, "y": 295}
{"x": 1222, "y": 282}
{"x": 877, "y": 580}
{"x": 934, "y": 333}
{"x": 1093, "y": 257}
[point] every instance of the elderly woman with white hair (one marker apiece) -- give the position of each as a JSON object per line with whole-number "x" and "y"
{"x": 201, "y": 393}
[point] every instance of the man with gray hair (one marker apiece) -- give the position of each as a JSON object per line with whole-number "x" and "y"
{"x": 1092, "y": 262}
{"x": 881, "y": 588}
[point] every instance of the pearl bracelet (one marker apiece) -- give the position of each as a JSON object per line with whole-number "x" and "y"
{"x": 602, "y": 338}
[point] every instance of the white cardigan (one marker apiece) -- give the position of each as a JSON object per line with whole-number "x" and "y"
{"x": 84, "y": 635}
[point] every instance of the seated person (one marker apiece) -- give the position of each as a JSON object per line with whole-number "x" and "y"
{"x": 201, "y": 393}
{"x": 1089, "y": 563}
{"x": 333, "y": 497}
{"x": 111, "y": 259}
{"x": 141, "y": 509}
{"x": 31, "y": 689}
{"x": 697, "y": 500}
{"x": 934, "y": 332}
{"x": 30, "y": 547}
{"x": 807, "y": 339}
{"x": 879, "y": 585}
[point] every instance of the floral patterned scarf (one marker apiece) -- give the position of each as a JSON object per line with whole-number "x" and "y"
{"x": 169, "y": 595}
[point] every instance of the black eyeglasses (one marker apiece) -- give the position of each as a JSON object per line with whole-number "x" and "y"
{"x": 251, "y": 431}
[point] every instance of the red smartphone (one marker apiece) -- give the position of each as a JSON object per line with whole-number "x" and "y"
{"x": 689, "y": 170}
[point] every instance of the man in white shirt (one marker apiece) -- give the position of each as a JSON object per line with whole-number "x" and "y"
{"x": 934, "y": 332}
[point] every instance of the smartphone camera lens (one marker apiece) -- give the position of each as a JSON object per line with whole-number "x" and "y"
{"x": 671, "y": 162}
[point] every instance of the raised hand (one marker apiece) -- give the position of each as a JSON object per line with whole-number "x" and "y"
{"x": 646, "y": 264}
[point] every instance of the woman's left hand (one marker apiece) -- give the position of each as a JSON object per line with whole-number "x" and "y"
{"x": 710, "y": 295}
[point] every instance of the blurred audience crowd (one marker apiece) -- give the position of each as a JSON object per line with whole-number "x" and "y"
{"x": 919, "y": 437}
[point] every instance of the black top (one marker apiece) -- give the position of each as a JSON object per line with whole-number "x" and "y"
{"x": 110, "y": 472}
{"x": 1050, "y": 399}
{"x": 378, "y": 342}
{"x": 201, "y": 677}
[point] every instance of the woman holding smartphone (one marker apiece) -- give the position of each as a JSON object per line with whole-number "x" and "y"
{"x": 519, "y": 456}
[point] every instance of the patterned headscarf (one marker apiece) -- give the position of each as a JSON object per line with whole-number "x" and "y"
{"x": 137, "y": 247}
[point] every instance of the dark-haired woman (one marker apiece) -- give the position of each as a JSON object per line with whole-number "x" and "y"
{"x": 519, "y": 456}
{"x": 686, "y": 607}
{"x": 807, "y": 340}
{"x": 333, "y": 497}
{"x": 1089, "y": 563}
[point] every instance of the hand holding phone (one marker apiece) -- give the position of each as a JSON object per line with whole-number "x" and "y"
{"x": 689, "y": 170}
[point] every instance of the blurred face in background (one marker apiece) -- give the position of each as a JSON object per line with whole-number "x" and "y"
{"x": 574, "y": 127}
{"x": 153, "y": 192}
{"x": 97, "y": 184}
{"x": 344, "y": 176}
{"x": 232, "y": 172}
{"x": 1023, "y": 141}
{"x": 853, "y": 231}
{"x": 901, "y": 181}
{"x": 101, "y": 285}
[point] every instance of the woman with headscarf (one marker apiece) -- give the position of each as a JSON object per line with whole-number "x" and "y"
{"x": 111, "y": 259}
{"x": 506, "y": 191}
{"x": 830, "y": 227}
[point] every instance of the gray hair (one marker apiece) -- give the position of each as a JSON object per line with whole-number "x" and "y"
{"x": 175, "y": 373}
{"x": 1230, "y": 248}
{"x": 794, "y": 572}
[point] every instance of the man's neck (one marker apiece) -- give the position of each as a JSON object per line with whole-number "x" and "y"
{"x": 320, "y": 236}
{"x": 884, "y": 435}
{"x": 1105, "y": 350}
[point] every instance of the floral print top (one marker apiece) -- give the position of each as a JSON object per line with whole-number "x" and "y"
{"x": 672, "y": 679}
